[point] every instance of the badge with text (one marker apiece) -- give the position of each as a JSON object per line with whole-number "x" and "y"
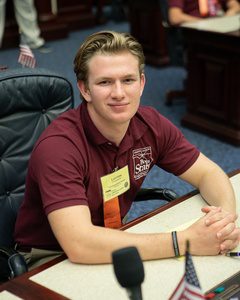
{"x": 115, "y": 184}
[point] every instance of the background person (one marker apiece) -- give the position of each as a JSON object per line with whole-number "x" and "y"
{"x": 181, "y": 11}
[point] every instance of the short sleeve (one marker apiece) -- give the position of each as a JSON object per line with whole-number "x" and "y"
{"x": 57, "y": 167}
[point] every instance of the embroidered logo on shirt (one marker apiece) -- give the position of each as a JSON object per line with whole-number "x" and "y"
{"x": 142, "y": 159}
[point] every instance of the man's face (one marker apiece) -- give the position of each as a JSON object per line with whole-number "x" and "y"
{"x": 114, "y": 88}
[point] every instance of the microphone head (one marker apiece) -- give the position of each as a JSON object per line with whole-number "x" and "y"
{"x": 128, "y": 267}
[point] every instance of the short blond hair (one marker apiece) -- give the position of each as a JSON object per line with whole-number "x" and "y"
{"x": 106, "y": 42}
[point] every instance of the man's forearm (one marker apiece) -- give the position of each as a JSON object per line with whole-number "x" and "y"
{"x": 86, "y": 243}
{"x": 213, "y": 184}
{"x": 96, "y": 244}
{"x": 177, "y": 17}
{"x": 215, "y": 187}
{"x": 103, "y": 241}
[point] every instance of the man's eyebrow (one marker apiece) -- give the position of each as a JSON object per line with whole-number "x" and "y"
{"x": 131, "y": 75}
{"x": 104, "y": 78}
{"x": 124, "y": 76}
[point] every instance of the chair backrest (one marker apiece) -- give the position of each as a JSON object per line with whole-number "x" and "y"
{"x": 29, "y": 100}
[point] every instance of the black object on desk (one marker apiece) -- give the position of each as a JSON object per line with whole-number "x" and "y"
{"x": 128, "y": 268}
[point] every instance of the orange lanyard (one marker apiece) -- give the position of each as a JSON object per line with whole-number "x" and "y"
{"x": 112, "y": 216}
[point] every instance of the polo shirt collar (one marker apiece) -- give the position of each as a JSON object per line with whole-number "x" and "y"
{"x": 91, "y": 131}
{"x": 135, "y": 131}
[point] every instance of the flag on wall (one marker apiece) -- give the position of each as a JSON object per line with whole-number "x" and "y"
{"x": 26, "y": 57}
{"x": 189, "y": 287}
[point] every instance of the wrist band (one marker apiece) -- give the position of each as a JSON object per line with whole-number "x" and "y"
{"x": 175, "y": 244}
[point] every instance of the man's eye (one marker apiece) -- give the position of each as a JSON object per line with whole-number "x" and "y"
{"x": 104, "y": 82}
{"x": 129, "y": 80}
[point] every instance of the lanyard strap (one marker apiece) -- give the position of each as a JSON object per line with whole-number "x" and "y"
{"x": 112, "y": 216}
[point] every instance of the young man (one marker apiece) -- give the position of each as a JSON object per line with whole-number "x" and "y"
{"x": 181, "y": 11}
{"x": 98, "y": 155}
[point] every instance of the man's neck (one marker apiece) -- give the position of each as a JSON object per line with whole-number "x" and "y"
{"x": 114, "y": 135}
{"x": 114, "y": 132}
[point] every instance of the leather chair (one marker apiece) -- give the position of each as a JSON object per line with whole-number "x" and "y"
{"x": 29, "y": 101}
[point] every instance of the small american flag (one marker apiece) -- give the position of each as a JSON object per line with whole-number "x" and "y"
{"x": 189, "y": 286}
{"x": 26, "y": 57}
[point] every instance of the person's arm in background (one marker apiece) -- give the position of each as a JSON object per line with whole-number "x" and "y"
{"x": 233, "y": 7}
{"x": 177, "y": 16}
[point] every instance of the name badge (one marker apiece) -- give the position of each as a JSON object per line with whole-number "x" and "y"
{"x": 115, "y": 184}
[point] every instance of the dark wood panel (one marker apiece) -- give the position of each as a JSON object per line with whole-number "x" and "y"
{"x": 146, "y": 25}
{"x": 50, "y": 25}
{"x": 11, "y": 35}
{"x": 76, "y": 14}
{"x": 211, "y": 86}
{"x": 213, "y": 90}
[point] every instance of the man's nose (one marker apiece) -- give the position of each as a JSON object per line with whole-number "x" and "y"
{"x": 118, "y": 90}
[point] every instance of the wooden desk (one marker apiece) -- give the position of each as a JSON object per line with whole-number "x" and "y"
{"x": 213, "y": 66}
{"x": 75, "y": 281}
{"x": 145, "y": 19}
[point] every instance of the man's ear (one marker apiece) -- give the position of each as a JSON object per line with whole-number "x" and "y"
{"x": 84, "y": 90}
{"x": 143, "y": 81}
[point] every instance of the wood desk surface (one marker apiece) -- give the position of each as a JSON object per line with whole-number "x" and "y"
{"x": 61, "y": 279}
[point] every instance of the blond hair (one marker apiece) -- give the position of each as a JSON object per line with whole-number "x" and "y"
{"x": 106, "y": 42}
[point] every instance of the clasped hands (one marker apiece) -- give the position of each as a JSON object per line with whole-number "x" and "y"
{"x": 229, "y": 233}
{"x": 215, "y": 233}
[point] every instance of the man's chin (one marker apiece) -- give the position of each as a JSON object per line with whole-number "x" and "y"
{"x": 122, "y": 118}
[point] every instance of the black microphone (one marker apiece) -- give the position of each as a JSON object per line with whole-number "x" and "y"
{"x": 128, "y": 268}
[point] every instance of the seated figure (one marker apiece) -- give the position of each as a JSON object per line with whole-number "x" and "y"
{"x": 181, "y": 11}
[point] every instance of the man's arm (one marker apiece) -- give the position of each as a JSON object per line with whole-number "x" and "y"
{"x": 177, "y": 16}
{"x": 86, "y": 243}
{"x": 216, "y": 189}
{"x": 213, "y": 184}
{"x": 233, "y": 7}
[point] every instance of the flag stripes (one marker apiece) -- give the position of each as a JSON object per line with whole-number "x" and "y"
{"x": 189, "y": 286}
{"x": 26, "y": 57}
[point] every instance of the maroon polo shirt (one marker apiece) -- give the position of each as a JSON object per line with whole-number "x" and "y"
{"x": 191, "y": 7}
{"x": 71, "y": 156}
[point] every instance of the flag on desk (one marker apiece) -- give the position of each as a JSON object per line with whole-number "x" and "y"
{"x": 26, "y": 57}
{"x": 188, "y": 287}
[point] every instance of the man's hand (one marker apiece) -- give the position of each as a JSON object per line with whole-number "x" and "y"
{"x": 215, "y": 233}
{"x": 229, "y": 234}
